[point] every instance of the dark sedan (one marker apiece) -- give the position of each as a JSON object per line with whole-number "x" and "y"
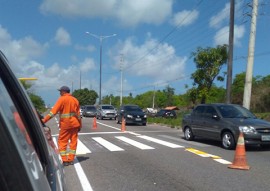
{"x": 224, "y": 122}
{"x": 89, "y": 111}
{"x": 166, "y": 113}
{"x": 132, "y": 114}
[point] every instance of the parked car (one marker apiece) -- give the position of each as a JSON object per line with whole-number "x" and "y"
{"x": 223, "y": 122}
{"x": 81, "y": 110}
{"x": 27, "y": 160}
{"x": 89, "y": 111}
{"x": 132, "y": 114}
{"x": 166, "y": 113}
{"x": 106, "y": 111}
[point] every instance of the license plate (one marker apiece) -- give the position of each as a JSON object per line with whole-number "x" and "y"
{"x": 265, "y": 137}
{"x": 138, "y": 119}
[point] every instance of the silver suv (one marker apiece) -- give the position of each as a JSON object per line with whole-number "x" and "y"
{"x": 106, "y": 111}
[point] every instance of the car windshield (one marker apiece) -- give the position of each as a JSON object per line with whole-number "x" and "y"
{"x": 133, "y": 108}
{"x": 89, "y": 108}
{"x": 107, "y": 107}
{"x": 233, "y": 111}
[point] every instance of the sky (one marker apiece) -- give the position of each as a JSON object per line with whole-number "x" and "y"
{"x": 147, "y": 42}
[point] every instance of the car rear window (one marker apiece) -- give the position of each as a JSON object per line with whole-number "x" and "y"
{"x": 107, "y": 107}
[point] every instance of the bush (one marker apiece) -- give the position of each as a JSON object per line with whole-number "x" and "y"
{"x": 171, "y": 122}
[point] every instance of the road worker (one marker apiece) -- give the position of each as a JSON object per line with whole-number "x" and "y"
{"x": 68, "y": 108}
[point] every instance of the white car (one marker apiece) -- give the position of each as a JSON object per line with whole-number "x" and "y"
{"x": 106, "y": 111}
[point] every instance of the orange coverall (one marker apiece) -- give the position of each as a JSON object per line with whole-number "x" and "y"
{"x": 68, "y": 108}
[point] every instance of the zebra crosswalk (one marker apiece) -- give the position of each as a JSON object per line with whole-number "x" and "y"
{"x": 91, "y": 144}
{"x": 119, "y": 143}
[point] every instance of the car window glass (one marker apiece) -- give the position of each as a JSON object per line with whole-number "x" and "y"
{"x": 11, "y": 114}
{"x": 210, "y": 111}
{"x": 107, "y": 107}
{"x": 133, "y": 108}
{"x": 198, "y": 110}
{"x": 229, "y": 111}
{"x": 18, "y": 132}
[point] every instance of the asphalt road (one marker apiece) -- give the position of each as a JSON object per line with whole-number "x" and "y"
{"x": 157, "y": 158}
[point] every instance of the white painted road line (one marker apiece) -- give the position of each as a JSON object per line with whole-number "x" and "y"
{"x": 109, "y": 126}
{"x": 82, "y": 149}
{"x": 134, "y": 143}
{"x": 107, "y": 144}
{"x": 82, "y": 177}
{"x": 222, "y": 161}
{"x": 165, "y": 143}
{"x": 56, "y": 144}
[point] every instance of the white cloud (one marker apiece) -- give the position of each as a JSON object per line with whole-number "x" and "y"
{"x": 22, "y": 55}
{"x": 128, "y": 12}
{"x": 88, "y": 48}
{"x": 87, "y": 65}
{"x": 223, "y": 16}
{"x": 217, "y": 20}
{"x": 222, "y": 36}
{"x": 20, "y": 52}
{"x": 151, "y": 59}
{"x": 184, "y": 18}
{"x": 62, "y": 37}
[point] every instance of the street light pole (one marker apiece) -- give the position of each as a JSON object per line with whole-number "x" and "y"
{"x": 100, "y": 57}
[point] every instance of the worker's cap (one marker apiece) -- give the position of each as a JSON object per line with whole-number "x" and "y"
{"x": 64, "y": 88}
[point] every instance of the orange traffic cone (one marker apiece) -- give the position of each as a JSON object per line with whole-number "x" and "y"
{"x": 240, "y": 155}
{"x": 123, "y": 125}
{"x": 94, "y": 123}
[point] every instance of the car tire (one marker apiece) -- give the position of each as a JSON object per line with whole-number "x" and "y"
{"x": 144, "y": 124}
{"x": 188, "y": 134}
{"x": 228, "y": 141}
{"x": 117, "y": 121}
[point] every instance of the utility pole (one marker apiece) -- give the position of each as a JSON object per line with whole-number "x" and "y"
{"x": 154, "y": 94}
{"x": 71, "y": 87}
{"x": 251, "y": 47}
{"x": 80, "y": 80}
{"x": 230, "y": 54}
{"x": 121, "y": 71}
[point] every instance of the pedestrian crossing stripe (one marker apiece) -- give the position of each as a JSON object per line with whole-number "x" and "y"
{"x": 82, "y": 149}
{"x": 165, "y": 143}
{"x": 134, "y": 143}
{"x": 107, "y": 144}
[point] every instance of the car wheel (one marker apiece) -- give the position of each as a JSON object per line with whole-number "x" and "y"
{"x": 188, "y": 134}
{"x": 144, "y": 124}
{"x": 117, "y": 120}
{"x": 228, "y": 141}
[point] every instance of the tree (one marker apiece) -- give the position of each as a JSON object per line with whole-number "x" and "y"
{"x": 238, "y": 88}
{"x": 169, "y": 94}
{"x": 35, "y": 99}
{"x": 209, "y": 62}
{"x": 85, "y": 96}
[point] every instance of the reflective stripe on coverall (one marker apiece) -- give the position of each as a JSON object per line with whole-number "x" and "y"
{"x": 70, "y": 123}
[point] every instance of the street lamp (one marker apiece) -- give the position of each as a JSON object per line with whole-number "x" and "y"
{"x": 100, "y": 57}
